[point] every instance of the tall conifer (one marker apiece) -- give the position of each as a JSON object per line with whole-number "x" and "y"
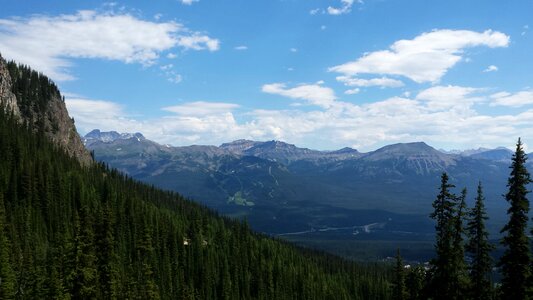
{"x": 479, "y": 248}
{"x": 399, "y": 292}
{"x": 515, "y": 262}
{"x": 448, "y": 268}
{"x": 460, "y": 276}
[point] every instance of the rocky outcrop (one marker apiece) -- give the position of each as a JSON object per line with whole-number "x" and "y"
{"x": 48, "y": 115}
{"x": 7, "y": 99}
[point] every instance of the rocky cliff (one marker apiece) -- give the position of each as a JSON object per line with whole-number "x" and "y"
{"x": 7, "y": 99}
{"x": 35, "y": 99}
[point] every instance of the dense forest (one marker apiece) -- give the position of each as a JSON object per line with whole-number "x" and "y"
{"x": 90, "y": 232}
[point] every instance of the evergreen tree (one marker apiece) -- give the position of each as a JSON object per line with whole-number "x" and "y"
{"x": 515, "y": 262}
{"x": 442, "y": 280}
{"x": 415, "y": 283}
{"x": 399, "y": 292}
{"x": 460, "y": 277}
{"x": 479, "y": 248}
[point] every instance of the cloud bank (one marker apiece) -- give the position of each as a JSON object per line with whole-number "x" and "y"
{"x": 48, "y": 43}
{"x": 426, "y": 58}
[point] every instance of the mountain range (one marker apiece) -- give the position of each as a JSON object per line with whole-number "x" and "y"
{"x": 280, "y": 187}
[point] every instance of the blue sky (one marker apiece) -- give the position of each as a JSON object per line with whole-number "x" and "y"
{"x": 322, "y": 74}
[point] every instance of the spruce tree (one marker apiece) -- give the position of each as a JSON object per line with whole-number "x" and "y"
{"x": 479, "y": 248}
{"x": 399, "y": 292}
{"x": 515, "y": 262}
{"x": 442, "y": 265}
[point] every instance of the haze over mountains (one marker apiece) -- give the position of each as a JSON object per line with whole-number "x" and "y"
{"x": 280, "y": 187}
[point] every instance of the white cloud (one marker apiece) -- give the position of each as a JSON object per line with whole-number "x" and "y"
{"x": 426, "y": 58}
{"x": 293, "y": 50}
{"x": 346, "y": 7}
{"x": 491, "y": 68}
{"x": 48, "y": 42}
{"x": 323, "y": 27}
{"x": 241, "y": 48}
{"x": 90, "y": 114}
{"x": 315, "y": 11}
{"x": 171, "y": 75}
{"x": 198, "y": 41}
{"x": 381, "y": 82}
{"x": 201, "y": 108}
{"x": 175, "y": 78}
{"x": 352, "y": 91}
{"x": 449, "y": 97}
{"x": 513, "y": 100}
{"x": 188, "y": 2}
{"x": 166, "y": 67}
{"x": 312, "y": 93}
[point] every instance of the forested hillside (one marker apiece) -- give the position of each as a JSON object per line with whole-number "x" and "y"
{"x": 69, "y": 230}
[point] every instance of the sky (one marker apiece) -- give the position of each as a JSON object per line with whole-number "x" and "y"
{"x": 322, "y": 74}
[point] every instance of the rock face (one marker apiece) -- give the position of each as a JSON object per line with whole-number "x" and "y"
{"x": 7, "y": 99}
{"x": 46, "y": 113}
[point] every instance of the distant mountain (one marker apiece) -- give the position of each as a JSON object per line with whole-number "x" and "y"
{"x": 107, "y": 137}
{"x": 279, "y": 185}
{"x": 470, "y": 152}
{"x": 239, "y": 146}
{"x": 498, "y": 154}
{"x": 285, "y": 153}
{"x": 416, "y": 157}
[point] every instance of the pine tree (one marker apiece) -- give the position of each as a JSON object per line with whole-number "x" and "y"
{"x": 399, "y": 292}
{"x": 515, "y": 262}
{"x": 479, "y": 248}
{"x": 442, "y": 266}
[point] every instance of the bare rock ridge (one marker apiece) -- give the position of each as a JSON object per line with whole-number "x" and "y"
{"x": 43, "y": 108}
{"x": 110, "y": 136}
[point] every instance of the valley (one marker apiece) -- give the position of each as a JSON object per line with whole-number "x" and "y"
{"x": 312, "y": 196}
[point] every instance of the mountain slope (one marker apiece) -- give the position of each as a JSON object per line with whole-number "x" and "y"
{"x": 499, "y": 154}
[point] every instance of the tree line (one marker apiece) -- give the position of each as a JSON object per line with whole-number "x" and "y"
{"x": 463, "y": 266}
